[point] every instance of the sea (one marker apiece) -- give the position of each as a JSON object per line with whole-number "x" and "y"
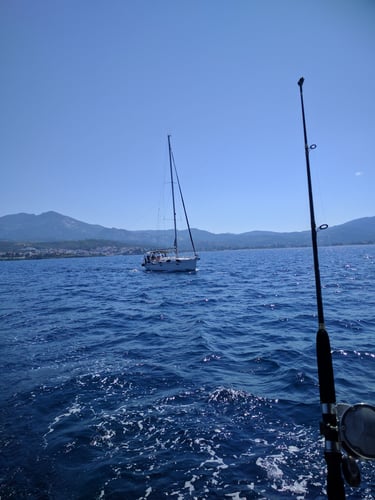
{"x": 118, "y": 383}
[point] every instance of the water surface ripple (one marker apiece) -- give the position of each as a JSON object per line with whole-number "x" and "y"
{"x": 122, "y": 384}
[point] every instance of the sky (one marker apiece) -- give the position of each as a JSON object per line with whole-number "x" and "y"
{"x": 91, "y": 89}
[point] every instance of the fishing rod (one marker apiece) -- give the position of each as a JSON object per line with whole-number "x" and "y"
{"x": 329, "y": 424}
{"x": 348, "y": 431}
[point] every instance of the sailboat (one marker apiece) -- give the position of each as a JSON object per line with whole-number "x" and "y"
{"x": 170, "y": 260}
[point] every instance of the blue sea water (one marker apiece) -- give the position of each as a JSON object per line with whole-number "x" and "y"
{"x": 122, "y": 384}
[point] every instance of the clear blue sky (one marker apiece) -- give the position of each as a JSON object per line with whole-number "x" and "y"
{"x": 90, "y": 89}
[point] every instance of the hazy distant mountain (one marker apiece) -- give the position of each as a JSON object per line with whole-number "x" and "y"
{"x": 52, "y": 227}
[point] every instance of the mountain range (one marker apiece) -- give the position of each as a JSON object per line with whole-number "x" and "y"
{"x": 53, "y": 227}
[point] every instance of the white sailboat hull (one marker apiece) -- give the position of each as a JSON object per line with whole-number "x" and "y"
{"x": 172, "y": 264}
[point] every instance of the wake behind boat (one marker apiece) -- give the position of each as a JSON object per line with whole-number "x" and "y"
{"x": 169, "y": 260}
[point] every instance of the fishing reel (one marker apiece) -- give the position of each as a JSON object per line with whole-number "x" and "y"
{"x": 356, "y": 427}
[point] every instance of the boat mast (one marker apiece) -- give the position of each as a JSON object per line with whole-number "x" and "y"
{"x": 173, "y": 200}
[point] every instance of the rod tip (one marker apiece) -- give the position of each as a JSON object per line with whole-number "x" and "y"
{"x": 300, "y": 81}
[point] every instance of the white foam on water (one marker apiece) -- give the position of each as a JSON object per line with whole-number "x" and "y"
{"x": 74, "y": 409}
{"x": 273, "y": 467}
{"x": 235, "y": 496}
{"x": 189, "y": 485}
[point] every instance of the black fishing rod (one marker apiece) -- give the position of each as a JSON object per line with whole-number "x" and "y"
{"x": 329, "y": 426}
